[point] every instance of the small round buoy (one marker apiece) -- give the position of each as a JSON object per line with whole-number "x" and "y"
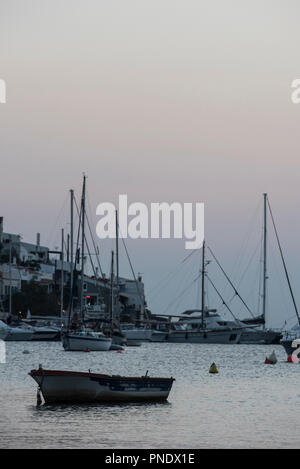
{"x": 119, "y": 351}
{"x": 292, "y": 359}
{"x": 213, "y": 369}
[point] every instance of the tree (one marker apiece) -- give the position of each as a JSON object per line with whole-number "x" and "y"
{"x": 35, "y": 297}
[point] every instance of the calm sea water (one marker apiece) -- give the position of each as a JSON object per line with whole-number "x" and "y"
{"x": 248, "y": 404}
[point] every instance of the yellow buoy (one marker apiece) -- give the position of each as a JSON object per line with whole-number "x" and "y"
{"x": 213, "y": 369}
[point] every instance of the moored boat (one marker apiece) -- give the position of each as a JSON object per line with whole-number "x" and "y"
{"x": 86, "y": 340}
{"x": 78, "y": 387}
{"x": 11, "y": 334}
{"x": 135, "y": 335}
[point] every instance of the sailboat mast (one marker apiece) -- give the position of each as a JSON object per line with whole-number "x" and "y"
{"x": 265, "y": 261}
{"x": 112, "y": 290}
{"x": 71, "y": 243}
{"x": 117, "y": 261}
{"x": 82, "y": 243}
{"x": 62, "y": 275}
{"x": 10, "y": 280}
{"x": 203, "y": 285}
{"x": 284, "y": 264}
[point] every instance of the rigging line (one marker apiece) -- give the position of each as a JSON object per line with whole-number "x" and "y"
{"x": 181, "y": 293}
{"x": 182, "y": 297}
{"x": 95, "y": 247}
{"x": 283, "y": 298}
{"x": 93, "y": 241}
{"x": 245, "y": 242}
{"x": 283, "y": 261}
{"x": 249, "y": 263}
{"x": 178, "y": 278}
{"x": 260, "y": 277}
{"x": 131, "y": 267}
{"x": 235, "y": 290}
{"x": 90, "y": 255}
{"x": 74, "y": 267}
{"x": 50, "y": 236}
{"x": 167, "y": 278}
{"x": 189, "y": 255}
{"x": 224, "y": 302}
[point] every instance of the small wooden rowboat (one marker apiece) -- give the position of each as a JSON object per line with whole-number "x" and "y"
{"x": 75, "y": 387}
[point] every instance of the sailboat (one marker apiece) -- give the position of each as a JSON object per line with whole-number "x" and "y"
{"x": 134, "y": 334}
{"x": 264, "y": 335}
{"x": 82, "y": 339}
{"x": 14, "y": 334}
{"x": 208, "y": 327}
{"x": 257, "y": 333}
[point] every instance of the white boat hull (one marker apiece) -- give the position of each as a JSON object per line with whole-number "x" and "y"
{"x": 3, "y": 334}
{"x": 204, "y": 337}
{"x": 61, "y": 386}
{"x": 250, "y": 336}
{"x": 16, "y": 334}
{"x": 41, "y": 335}
{"x": 139, "y": 335}
{"x": 158, "y": 336}
{"x": 77, "y": 343}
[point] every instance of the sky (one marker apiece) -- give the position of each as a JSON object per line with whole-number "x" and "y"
{"x": 168, "y": 100}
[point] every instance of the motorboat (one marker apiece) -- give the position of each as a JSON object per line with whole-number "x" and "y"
{"x": 15, "y": 333}
{"x": 214, "y": 329}
{"x": 42, "y": 333}
{"x": 135, "y": 335}
{"x": 3, "y": 330}
{"x": 86, "y": 340}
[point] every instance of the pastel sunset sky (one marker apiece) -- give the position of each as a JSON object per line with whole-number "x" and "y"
{"x": 162, "y": 100}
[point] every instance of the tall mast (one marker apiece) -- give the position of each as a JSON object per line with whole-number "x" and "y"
{"x": 203, "y": 285}
{"x": 265, "y": 261}
{"x": 72, "y": 244}
{"x": 10, "y": 286}
{"x": 117, "y": 261}
{"x": 284, "y": 264}
{"x": 82, "y": 243}
{"x": 68, "y": 248}
{"x": 62, "y": 275}
{"x": 112, "y": 289}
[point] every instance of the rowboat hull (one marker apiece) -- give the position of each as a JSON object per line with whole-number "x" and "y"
{"x": 76, "y": 387}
